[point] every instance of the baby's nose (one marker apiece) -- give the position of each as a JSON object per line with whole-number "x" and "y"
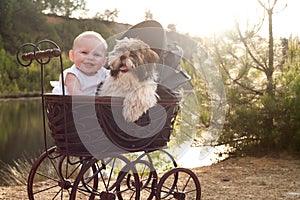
{"x": 90, "y": 56}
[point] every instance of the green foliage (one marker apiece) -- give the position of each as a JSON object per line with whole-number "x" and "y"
{"x": 15, "y": 79}
{"x": 288, "y": 101}
{"x": 23, "y": 22}
{"x": 257, "y": 120}
{"x": 17, "y": 22}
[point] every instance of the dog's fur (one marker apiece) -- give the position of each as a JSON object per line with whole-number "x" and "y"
{"x": 132, "y": 76}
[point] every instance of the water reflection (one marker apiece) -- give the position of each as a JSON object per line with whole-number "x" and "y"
{"x": 21, "y": 129}
{"x": 203, "y": 156}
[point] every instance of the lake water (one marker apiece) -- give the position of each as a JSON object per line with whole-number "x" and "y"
{"x": 22, "y": 134}
{"x": 21, "y": 129}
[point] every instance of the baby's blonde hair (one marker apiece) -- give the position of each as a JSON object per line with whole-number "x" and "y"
{"x": 91, "y": 34}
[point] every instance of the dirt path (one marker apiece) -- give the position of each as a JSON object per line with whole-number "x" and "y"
{"x": 251, "y": 178}
{"x": 235, "y": 178}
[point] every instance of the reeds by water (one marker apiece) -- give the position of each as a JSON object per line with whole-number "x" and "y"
{"x": 16, "y": 173}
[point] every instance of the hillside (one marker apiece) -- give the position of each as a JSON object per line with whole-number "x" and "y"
{"x": 75, "y": 26}
{"x": 59, "y": 29}
{"x": 113, "y": 27}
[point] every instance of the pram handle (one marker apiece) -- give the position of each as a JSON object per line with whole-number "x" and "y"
{"x": 48, "y": 53}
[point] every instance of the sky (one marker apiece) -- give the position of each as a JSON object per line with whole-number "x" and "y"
{"x": 202, "y": 17}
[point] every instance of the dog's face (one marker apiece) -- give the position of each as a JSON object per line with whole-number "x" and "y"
{"x": 132, "y": 56}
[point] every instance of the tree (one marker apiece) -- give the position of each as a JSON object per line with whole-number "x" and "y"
{"x": 107, "y": 15}
{"x": 148, "y": 15}
{"x": 63, "y": 7}
{"x": 111, "y": 15}
{"x": 266, "y": 65}
{"x": 19, "y": 17}
{"x": 172, "y": 27}
{"x": 6, "y": 17}
{"x": 251, "y": 66}
{"x": 288, "y": 87}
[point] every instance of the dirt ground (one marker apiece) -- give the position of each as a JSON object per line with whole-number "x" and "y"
{"x": 235, "y": 178}
{"x": 251, "y": 178}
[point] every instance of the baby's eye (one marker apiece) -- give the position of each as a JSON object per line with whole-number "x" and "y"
{"x": 84, "y": 52}
{"x": 97, "y": 55}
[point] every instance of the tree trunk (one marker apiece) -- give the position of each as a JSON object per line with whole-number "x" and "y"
{"x": 270, "y": 69}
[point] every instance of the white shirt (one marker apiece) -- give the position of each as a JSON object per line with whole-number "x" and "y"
{"x": 88, "y": 84}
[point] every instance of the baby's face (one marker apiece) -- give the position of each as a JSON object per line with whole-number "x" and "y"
{"x": 88, "y": 55}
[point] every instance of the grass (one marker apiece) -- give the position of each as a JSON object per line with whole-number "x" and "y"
{"x": 16, "y": 173}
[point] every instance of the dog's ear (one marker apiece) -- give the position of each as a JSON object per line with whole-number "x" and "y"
{"x": 147, "y": 68}
{"x": 151, "y": 56}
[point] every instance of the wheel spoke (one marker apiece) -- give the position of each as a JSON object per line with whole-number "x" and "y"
{"x": 187, "y": 182}
{"x": 47, "y": 177}
{"x": 110, "y": 173}
{"x": 73, "y": 171}
{"x": 45, "y": 189}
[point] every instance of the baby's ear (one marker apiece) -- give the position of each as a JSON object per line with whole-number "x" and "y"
{"x": 71, "y": 55}
{"x": 104, "y": 63}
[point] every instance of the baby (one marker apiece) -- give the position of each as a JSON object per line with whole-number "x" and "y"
{"x": 89, "y": 56}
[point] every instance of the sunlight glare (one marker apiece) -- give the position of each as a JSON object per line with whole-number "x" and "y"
{"x": 201, "y": 18}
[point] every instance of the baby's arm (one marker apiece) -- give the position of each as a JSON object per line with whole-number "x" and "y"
{"x": 73, "y": 85}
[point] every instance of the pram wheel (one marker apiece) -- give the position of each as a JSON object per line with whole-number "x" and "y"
{"x": 147, "y": 180}
{"x": 148, "y": 173}
{"x": 53, "y": 174}
{"x": 111, "y": 175}
{"x": 180, "y": 184}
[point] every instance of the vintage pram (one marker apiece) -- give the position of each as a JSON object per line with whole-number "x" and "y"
{"x": 93, "y": 156}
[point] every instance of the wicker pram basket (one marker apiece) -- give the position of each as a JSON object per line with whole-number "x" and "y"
{"x": 81, "y": 123}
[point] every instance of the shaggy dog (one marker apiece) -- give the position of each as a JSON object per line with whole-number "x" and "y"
{"x": 132, "y": 76}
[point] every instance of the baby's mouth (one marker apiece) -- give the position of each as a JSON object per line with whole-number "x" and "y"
{"x": 89, "y": 64}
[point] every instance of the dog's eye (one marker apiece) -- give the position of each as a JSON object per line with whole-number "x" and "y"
{"x": 114, "y": 73}
{"x": 122, "y": 57}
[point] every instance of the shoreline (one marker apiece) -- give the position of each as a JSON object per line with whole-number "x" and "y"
{"x": 4, "y": 100}
{"x": 20, "y": 96}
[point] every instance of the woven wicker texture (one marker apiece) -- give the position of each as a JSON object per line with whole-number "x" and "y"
{"x": 78, "y": 122}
